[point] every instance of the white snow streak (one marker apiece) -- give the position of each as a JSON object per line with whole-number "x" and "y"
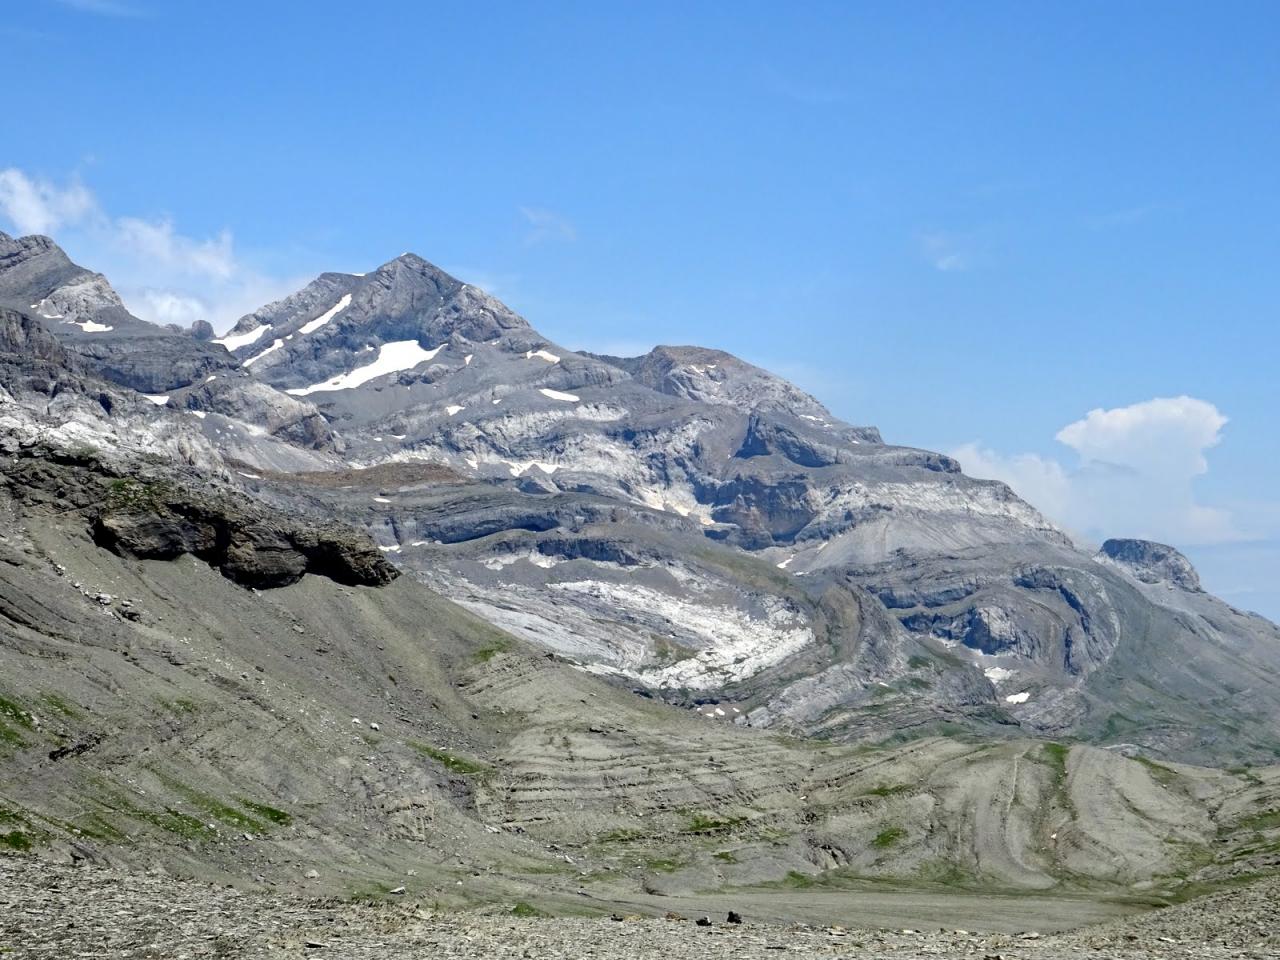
{"x": 234, "y": 341}
{"x": 557, "y": 395}
{"x": 392, "y": 358}
{"x": 313, "y": 325}
{"x": 542, "y": 355}
{"x": 258, "y": 356}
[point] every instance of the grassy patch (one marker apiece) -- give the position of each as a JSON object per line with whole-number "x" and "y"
{"x": 60, "y": 705}
{"x": 888, "y": 837}
{"x": 726, "y": 856}
{"x": 278, "y": 817}
{"x": 620, "y": 836}
{"x": 455, "y": 764}
{"x": 1266, "y": 820}
{"x": 945, "y": 873}
{"x": 1159, "y": 772}
{"x": 701, "y": 823}
{"x": 212, "y": 805}
{"x": 17, "y": 715}
{"x": 523, "y": 909}
{"x": 918, "y": 662}
{"x": 491, "y": 650}
{"x": 1055, "y": 755}
{"x": 171, "y": 821}
{"x": 15, "y": 840}
{"x": 796, "y": 880}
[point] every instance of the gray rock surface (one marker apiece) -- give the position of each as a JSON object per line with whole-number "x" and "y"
{"x": 634, "y": 513}
{"x": 87, "y": 316}
{"x": 1152, "y": 563}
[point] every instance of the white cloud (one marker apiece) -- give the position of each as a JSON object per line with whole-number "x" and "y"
{"x": 40, "y": 206}
{"x": 1133, "y": 477}
{"x": 161, "y": 274}
{"x": 158, "y": 242}
{"x": 546, "y": 225}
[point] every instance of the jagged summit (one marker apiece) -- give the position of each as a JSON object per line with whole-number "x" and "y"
{"x": 408, "y": 307}
{"x": 1152, "y": 562}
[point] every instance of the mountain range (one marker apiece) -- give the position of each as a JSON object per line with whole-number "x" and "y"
{"x": 462, "y": 595}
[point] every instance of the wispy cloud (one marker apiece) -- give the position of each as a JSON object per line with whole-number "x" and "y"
{"x": 162, "y": 274}
{"x": 947, "y": 252}
{"x": 35, "y": 205}
{"x": 1134, "y": 474}
{"x": 546, "y": 225}
{"x": 103, "y": 8}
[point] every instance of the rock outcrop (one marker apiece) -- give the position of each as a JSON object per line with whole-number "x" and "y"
{"x": 1152, "y": 562}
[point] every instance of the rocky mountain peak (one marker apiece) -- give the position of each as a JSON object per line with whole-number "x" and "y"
{"x": 1151, "y": 562}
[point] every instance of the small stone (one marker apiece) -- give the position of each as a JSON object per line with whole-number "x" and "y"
{"x": 734, "y": 917}
{"x": 312, "y": 874}
{"x": 398, "y": 891}
{"x": 703, "y": 921}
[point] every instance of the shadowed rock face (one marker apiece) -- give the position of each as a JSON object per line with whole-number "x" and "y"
{"x": 1152, "y": 562}
{"x": 26, "y": 339}
{"x": 245, "y": 546}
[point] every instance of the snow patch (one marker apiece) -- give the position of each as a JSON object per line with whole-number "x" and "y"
{"x": 542, "y": 355}
{"x": 88, "y": 326}
{"x": 234, "y": 341}
{"x": 159, "y": 399}
{"x": 1022, "y": 697}
{"x": 271, "y": 349}
{"x": 392, "y": 358}
{"x": 558, "y": 395}
{"x": 997, "y": 674}
{"x": 313, "y": 325}
{"x": 453, "y": 409}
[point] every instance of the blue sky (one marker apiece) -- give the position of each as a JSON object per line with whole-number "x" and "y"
{"x": 968, "y": 224}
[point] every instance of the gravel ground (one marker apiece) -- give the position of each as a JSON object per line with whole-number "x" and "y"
{"x": 52, "y": 911}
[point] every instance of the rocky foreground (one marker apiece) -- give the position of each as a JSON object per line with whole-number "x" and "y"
{"x": 49, "y": 910}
